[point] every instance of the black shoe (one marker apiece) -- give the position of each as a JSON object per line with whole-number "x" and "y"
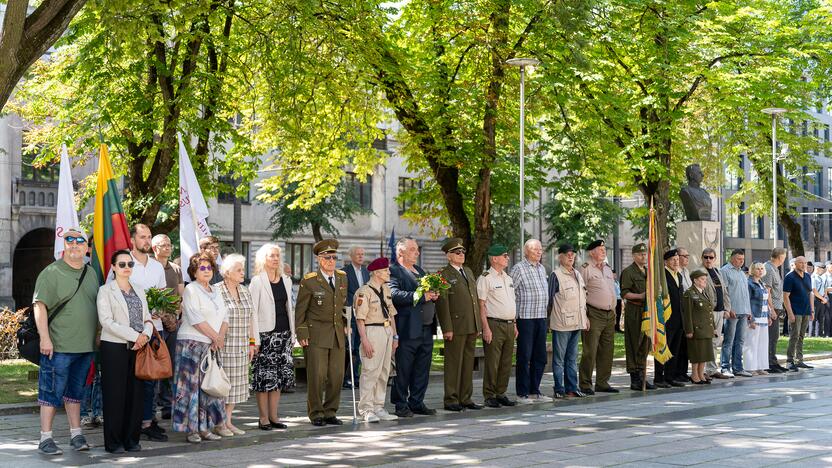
{"x": 315, "y": 422}
{"x": 454, "y": 407}
{"x": 156, "y": 427}
{"x": 492, "y": 403}
{"x": 472, "y": 406}
{"x": 115, "y": 451}
{"x": 650, "y": 386}
{"x": 587, "y": 391}
{"x": 333, "y": 421}
{"x": 503, "y": 400}
{"x": 559, "y": 396}
{"x": 803, "y": 365}
{"x": 135, "y": 448}
{"x": 774, "y": 370}
{"x": 793, "y": 368}
{"x": 277, "y": 425}
{"x": 268, "y": 427}
{"x": 676, "y": 383}
{"x": 407, "y": 413}
{"x": 782, "y": 369}
{"x": 661, "y": 384}
{"x": 153, "y": 435}
{"x": 606, "y": 390}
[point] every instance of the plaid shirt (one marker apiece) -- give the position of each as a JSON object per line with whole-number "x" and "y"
{"x": 531, "y": 290}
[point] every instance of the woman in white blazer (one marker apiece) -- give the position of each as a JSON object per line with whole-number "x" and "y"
{"x": 125, "y": 328}
{"x": 273, "y": 369}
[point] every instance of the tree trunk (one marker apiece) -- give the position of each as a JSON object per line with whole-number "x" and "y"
{"x": 316, "y": 232}
{"x": 795, "y": 234}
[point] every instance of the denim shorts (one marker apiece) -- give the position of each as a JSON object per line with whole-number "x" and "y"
{"x": 62, "y": 378}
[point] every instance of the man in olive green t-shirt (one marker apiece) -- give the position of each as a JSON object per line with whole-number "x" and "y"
{"x": 68, "y": 341}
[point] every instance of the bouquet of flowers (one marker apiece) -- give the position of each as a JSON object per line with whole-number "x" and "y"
{"x": 165, "y": 303}
{"x": 432, "y": 282}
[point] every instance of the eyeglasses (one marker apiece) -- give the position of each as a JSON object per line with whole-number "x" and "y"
{"x": 328, "y": 257}
{"x": 685, "y": 255}
{"x": 205, "y": 268}
{"x": 125, "y": 264}
{"x": 708, "y": 257}
{"x": 75, "y": 240}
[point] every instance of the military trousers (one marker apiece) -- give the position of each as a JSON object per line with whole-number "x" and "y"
{"x": 597, "y": 348}
{"x": 636, "y": 343}
{"x": 459, "y": 369}
{"x": 498, "y": 355}
{"x": 375, "y": 370}
{"x": 324, "y": 376}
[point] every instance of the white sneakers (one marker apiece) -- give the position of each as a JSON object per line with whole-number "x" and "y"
{"x": 542, "y": 398}
{"x": 385, "y": 416}
{"x": 370, "y": 417}
{"x": 524, "y": 400}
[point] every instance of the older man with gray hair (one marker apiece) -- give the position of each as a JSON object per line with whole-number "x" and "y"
{"x": 531, "y": 291}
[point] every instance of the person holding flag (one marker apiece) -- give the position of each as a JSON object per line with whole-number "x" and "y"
{"x": 658, "y": 309}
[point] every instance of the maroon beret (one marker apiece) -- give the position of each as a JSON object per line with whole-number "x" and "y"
{"x": 379, "y": 264}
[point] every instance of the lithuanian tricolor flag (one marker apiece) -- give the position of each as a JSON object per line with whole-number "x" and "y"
{"x": 657, "y": 304}
{"x": 109, "y": 231}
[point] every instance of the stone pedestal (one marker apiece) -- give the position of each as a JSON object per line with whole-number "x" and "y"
{"x": 695, "y": 236}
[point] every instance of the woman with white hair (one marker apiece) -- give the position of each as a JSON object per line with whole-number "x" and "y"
{"x": 240, "y": 343}
{"x": 273, "y": 369}
{"x": 755, "y": 348}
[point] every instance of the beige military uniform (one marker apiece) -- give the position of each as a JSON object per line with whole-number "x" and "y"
{"x": 496, "y": 290}
{"x": 378, "y": 331}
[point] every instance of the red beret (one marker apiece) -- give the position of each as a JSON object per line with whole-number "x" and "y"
{"x": 379, "y": 264}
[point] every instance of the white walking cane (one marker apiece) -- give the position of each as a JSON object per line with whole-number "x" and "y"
{"x": 352, "y": 374}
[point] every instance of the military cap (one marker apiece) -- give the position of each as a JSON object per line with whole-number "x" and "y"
{"x": 639, "y": 248}
{"x": 453, "y": 243}
{"x": 496, "y": 250}
{"x": 595, "y": 244}
{"x": 379, "y": 264}
{"x": 670, "y": 254}
{"x": 565, "y": 248}
{"x": 697, "y": 273}
{"x": 325, "y": 246}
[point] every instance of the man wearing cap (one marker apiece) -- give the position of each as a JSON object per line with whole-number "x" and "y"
{"x": 67, "y": 341}
{"x": 374, "y": 316}
{"x": 321, "y": 330}
{"x": 667, "y": 374}
{"x": 636, "y": 343}
{"x": 567, "y": 318}
{"x": 458, "y": 312}
{"x": 495, "y": 290}
{"x": 598, "y": 341}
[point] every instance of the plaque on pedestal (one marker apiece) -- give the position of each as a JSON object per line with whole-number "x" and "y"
{"x": 695, "y": 236}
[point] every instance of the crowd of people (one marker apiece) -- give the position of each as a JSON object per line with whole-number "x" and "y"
{"x": 724, "y": 323}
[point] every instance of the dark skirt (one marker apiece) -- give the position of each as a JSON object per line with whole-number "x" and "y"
{"x": 273, "y": 368}
{"x": 700, "y": 350}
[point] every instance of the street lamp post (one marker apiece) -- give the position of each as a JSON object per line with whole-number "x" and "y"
{"x": 522, "y": 63}
{"x": 774, "y": 112}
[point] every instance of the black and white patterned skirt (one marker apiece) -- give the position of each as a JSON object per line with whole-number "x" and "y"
{"x": 273, "y": 368}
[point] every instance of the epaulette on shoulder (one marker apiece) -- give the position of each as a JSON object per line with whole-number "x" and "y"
{"x": 311, "y": 274}
{"x": 341, "y": 272}
{"x": 485, "y": 273}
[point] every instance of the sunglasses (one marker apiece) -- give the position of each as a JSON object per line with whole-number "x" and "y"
{"x": 75, "y": 240}
{"x": 125, "y": 264}
{"x": 458, "y": 252}
{"x": 205, "y": 268}
{"x": 328, "y": 257}
{"x": 708, "y": 257}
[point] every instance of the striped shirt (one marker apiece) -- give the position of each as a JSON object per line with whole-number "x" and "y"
{"x": 531, "y": 290}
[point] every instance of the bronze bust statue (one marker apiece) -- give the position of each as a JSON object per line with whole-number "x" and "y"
{"x": 695, "y": 200}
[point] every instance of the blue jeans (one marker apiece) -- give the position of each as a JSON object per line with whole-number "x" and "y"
{"x": 91, "y": 404}
{"x": 733, "y": 333}
{"x": 531, "y": 355}
{"x": 62, "y": 378}
{"x": 565, "y": 360}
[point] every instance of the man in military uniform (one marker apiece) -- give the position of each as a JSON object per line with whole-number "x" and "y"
{"x": 458, "y": 312}
{"x": 498, "y": 312}
{"x": 598, "y": 341}
{"x": 374, "y": 317}
{"x": 321, "y": 330}
{"x": 636, "y": 343}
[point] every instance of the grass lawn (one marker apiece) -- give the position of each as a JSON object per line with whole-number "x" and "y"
{"x": 15, "y": 386}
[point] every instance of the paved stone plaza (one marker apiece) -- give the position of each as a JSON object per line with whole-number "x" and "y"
{"x": 783, "y": 420}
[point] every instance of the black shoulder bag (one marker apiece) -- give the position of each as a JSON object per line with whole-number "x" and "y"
{"x": 28, "y": 338}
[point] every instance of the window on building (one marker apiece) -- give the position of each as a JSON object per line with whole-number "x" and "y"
{"x": 227, "y": 248}
{"x": 226, "y": 184}
{"x": 730, "y": 221}
{"x": 805, "y": 222}
{"x": 31, "y": 173}
{"x": 362, "y": 191}
{"x": 826, "y": 133}
{"x": 819, "y": 220}
{"x": 818, "y": 176}
{"x": 741, "y": 221}
{"x": 758, "y": 228}
{"x": 407, "y": 184}
{"x": 300, "y": 258}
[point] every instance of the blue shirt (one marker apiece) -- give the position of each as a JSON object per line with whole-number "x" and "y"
{"x": 799, "y": 290}
{"x": 737, "y": 283}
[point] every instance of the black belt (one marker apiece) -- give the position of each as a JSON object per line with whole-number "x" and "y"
{"x": 501, "y": 320}
{"x": 385, "y": 324}
{"x": 602, "y": 310}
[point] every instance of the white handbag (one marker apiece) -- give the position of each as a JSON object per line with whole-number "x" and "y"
{"x": 214, "y": 380}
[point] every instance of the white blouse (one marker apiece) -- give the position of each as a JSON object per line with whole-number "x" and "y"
{"x": 198, "y": 306}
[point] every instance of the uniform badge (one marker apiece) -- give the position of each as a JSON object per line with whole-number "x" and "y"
{"x": 359, "y": 301}
{"x": 319, "y": 297}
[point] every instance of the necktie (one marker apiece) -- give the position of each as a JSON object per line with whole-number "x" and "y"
{"x": 462, "y": 272}
{"x": 331, "y": 284}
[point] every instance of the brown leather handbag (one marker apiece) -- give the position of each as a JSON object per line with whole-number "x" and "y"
{"x": 153, "y": 359}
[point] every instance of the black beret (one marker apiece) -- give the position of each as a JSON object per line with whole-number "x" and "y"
{"x": 595, "y": 244}
{"x": 565, "y": 247}
{"x": 670, "y": 254}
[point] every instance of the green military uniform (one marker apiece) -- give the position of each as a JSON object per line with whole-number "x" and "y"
{"x": 319, "y": 318}
{"x": 636, "y": 343}
{"x": 458, "y": 312}
{"x": 698, "y": 318}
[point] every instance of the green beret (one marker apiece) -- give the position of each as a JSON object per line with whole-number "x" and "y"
{"x": 325, "y": 246}
{"x": 452, "y": 244}
{"x": 697, "y": 273}
{"x": 496, "y": 250}
{"x": 639, "y": 248}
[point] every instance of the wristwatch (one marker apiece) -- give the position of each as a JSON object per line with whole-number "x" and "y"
{"x": 395, "y": 337}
